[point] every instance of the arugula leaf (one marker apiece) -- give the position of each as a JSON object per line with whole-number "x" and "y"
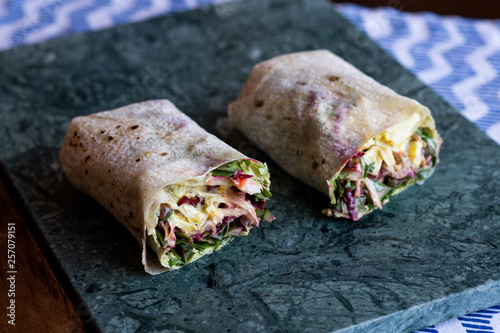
{"x": 386, "y": 196}
{"x": 339, "y": 189}
{"x": 265, "y": 214}
{"x": 201, "y": 246}
{"x": 168, "y": 216}
{"x": 379, "y": 186}
{"x": 367, "y": 168}
{"x": 350, "y": 185}
{"x": 224, "y": 241}
{"x": 264, "y": 194}
{"x": 174, "y": 252}
{"x": 184, "y": 250}
{"x": 424, "y": 174}
{"x": 218, "y": 173}
{"x": 160, "y": 236}
{"x": 175, "y": 262}
{"x": 227, "y": 169}
{"x": 426, "y": 134}
{"x": 183, "y": 238}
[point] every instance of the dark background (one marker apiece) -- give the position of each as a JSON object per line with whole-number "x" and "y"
{"x": 467, "y": 8}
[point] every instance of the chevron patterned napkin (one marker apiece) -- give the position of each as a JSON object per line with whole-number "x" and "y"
{"x": 458, "y": 57}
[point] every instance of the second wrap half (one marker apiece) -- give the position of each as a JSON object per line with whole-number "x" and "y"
{"x": 337, "y": 130}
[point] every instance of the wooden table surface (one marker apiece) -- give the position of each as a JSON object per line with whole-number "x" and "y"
{"x": 45, "y": 301}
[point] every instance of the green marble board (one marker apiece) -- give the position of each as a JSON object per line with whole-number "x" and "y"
{"x": 431, "y": 254}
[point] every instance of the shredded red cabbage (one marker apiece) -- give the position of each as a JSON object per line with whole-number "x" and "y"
{"x": 351, "y": 205}
{"x": 239, "y": 223}
{"x": 240, "y": 175}
{"x": 194, "y": 201}
{"x": 353, "y": 166}
{"x": 197, "y": 237}
{"x": 164, "y": 212}
{"x": 259, "y": 204}
{"x": 358, "y": 154}
{"x": 228, "y": 219}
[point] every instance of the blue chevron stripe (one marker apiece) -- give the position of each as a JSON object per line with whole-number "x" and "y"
{"x": 205, "y": 2}
{"x": 418, "y": 51}
{"x": 478, "y": 327}
{"x": 14, "y": 12}
{"x": 353, "y": 14}
{"x": 475, "y": 325}
{"x": 489, "y": 93}
{"x": 477, "y": 315}
{"x": 456, "y": 56}
{"x": 124, "y": 17}
{"x": 474, "y": 320}
{"x": 179, "y": 5}
{"x": 79, "y": 18}
{"x": 490, "y": 310}
{"x": 437, "y": 35}
{"x": 47, "y": 16}
{"x": 430, "y": 329}
{"x": 391, "y": 15}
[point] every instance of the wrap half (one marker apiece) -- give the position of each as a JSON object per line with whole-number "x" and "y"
{"x": 179, "y": 190}
{"x": 337, "y": 130}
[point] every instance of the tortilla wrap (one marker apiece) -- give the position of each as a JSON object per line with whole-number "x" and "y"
{"x": 126, "y": 158}
{"x": 312, "y": 112}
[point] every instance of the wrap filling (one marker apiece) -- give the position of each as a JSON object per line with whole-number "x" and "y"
{"x": 203, "y": 214}
{"x": 400, "y": 156}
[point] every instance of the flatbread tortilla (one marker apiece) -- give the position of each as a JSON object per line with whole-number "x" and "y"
{"x": 313, "y": 111}
{"x": 125, "y": 158}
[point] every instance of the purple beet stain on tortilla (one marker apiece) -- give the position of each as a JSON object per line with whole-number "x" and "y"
{"x": 180, "y": 124}
{"x": 314, "y": 98}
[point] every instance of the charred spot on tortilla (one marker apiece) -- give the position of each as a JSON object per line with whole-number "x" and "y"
{"x": 332, "y": 78}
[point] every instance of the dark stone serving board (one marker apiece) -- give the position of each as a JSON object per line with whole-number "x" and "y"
{"x": 431, "y": 254}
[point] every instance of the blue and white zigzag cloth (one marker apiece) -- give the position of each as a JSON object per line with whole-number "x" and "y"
{"x": 459, "y": 58}
{"x": 484, "y": 321}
